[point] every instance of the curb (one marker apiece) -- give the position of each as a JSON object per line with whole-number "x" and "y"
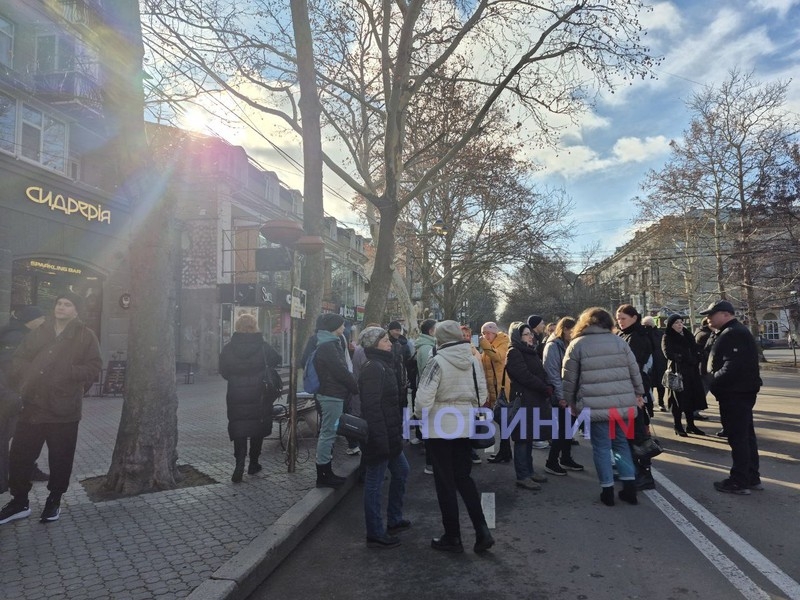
{"x": 778, "y": 368}
{"x": 243, "y": 573}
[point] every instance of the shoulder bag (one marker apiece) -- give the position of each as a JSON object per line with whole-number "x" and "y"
{"x": 483, "y": 442}
{"x": 672, "y": 379}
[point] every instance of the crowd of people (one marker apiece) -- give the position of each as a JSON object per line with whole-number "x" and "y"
{"x": 545, "y": 376}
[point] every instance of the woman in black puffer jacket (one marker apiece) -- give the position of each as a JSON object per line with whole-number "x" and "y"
{"x": 379, "y": 394}
{"x": 683, "y": 356}
{"x": 243, "y": 363}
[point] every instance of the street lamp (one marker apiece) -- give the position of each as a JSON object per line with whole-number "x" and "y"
{"x": 292, "y": 235}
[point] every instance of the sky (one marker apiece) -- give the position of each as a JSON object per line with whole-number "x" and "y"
{"x": 602, "y": 160}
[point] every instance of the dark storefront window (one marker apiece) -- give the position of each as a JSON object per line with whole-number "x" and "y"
{"x": 39, "y": 281}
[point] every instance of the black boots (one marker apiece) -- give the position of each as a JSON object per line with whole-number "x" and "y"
{"x": 238, "y": 471}
{"x": 448, "y": 543}
{"x": 607, "y": 495}
{"x": 628, "y": 492}
{"x": 504, "y": 455}
{"x": 644, "y": 479}
{"x": 327, "y": 478}
{"x": 483, "y": 539}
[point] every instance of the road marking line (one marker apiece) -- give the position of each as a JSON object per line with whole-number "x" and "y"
{"x": 769, "y": 569}
{"x": 487, "y": 503}
{"x": 716, "y": 557}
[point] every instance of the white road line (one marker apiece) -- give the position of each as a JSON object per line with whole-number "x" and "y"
{"x": 724, "y": 565}
{"x": 769, "y": 569}
{"x": 487, "y": 503}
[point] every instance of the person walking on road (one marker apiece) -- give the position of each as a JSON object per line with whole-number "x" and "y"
{"x": 733, "y": 364}
{"x": 600, "y": 373}
{"x": 244, "y": 363}
{"x": 336, "y": 383}
{"x": 383, "y": 449}
{"x": 52, "y": 368}
{"x": 449, "y": 393}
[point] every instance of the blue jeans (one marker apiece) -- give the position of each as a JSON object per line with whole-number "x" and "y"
{"x": 602, "y": 445}
{"x": 523, "y": 459}
{"x": 331, "y": 411}
{"x": 373, "y": 482}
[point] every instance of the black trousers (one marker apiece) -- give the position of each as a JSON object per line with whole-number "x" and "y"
{"x": 736, "y": 414}
{"x": 61, "y": 440}
{"x": 452, "y": 465}
{"x": 240, "y": 448}
{"x": 560, "y": 446}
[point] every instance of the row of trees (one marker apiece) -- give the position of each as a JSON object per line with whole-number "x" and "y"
{"x": 728, "y": 195}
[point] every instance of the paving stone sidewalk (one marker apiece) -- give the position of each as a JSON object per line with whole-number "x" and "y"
{"x": 159, "y": 545}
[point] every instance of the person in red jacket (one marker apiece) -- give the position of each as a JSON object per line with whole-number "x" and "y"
{"x": 52, "y": 368}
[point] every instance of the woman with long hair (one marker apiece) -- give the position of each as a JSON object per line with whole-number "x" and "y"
{"x": 243, "y": 362}
{"x": 560, "y": 458}
{"x": 683, "y": 356}
{"x": 600, "y": 373}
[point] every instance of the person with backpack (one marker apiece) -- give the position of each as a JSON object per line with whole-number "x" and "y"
{"x": 336, "y": 384}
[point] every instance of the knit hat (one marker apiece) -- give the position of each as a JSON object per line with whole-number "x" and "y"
{"x": 448, "y": 331}
{"x": 330, "y": 321}
{"x": 672, "y": 319}
{"x": 370, "y": 337}
{"x": 533, "y": 321}
{"x": 29, "y": 313}
{"x": 76, "y": 300}
{"x": 394, "y": 325}
{"x": 490, "y": 327}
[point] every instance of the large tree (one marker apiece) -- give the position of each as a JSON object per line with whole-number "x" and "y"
{"x": 145, "y": 453}
{"x": 375, "y": 59}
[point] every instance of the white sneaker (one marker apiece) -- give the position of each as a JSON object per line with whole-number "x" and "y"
{"x": 353, "y": 451}
{"x": 415, "y": 440}
{"x": 541, "y": 445}
{"x": 428, "y": 470}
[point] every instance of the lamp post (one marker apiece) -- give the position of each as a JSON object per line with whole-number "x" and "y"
{"x": 291, "y": 235}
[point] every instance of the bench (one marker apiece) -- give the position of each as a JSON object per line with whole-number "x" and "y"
{"x": 308, "y": 412}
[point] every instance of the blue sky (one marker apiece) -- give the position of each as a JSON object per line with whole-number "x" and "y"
{"x": 603, "y": 160}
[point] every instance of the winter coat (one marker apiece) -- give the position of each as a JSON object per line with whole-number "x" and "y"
{"x": 243, "y": 363}
{"x": 446, "y": 396}
{"x": 659, "y": 360}
{"x": 600, "y": 373}
{"x": 402, "y": 353}
{"x": 10, "y": 403}
{"x": 52, "y": 372}
{"x": 425, "y": 349}
{"x": 733, "y": 361}
{"x": 529, "y": 388}
{"x": 379, "y": 394}
{"x": 641, "y": 345}
{"x": 683, "y": 356}
{"x": 335, "y": 380}
{"x": 493, "y": 358}
{"x": 554, "y": 351}
{"x": 704, "y": 338}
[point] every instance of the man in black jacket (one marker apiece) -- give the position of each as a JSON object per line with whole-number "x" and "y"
{"x": 733, "y": 364}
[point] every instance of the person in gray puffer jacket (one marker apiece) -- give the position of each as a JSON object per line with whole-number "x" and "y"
{"x": 600, "y": 373}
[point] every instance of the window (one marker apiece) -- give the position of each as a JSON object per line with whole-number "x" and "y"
{"x": 57, "y": 53}
{"x": 6, "y": 42}
{"x": 8, "y": 123}
{"x": 44, "y": 139}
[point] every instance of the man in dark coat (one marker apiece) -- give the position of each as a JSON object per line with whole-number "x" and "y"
{"x": 402, "y": 353}
{"x": 733, "y": 363}
{"x": 22, "y": 321}
{"x": 659, "y": 360}
{"x": 52, "y": 368}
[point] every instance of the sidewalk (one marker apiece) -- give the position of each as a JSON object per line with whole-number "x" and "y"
{"x": 166, "y": 544}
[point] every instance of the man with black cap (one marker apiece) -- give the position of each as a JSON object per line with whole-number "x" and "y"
{"x": 736, "y": 380}
{"x": 23, "y": 320}
{"x": 537, "y": 325}
{"x": 52, "y": 368}
{"x": 402, "y": 353}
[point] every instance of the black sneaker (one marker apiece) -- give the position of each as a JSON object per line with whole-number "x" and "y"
{"x": 386, "y": 541}
{"x": 721, "y": 434}
{"x": 729, "y": 486}
{"x": 756, "y": 485}
{"x": 571, "y": 465}
{"x": 555, "y": 469}
{"x": 446, "y": 543}
{"x": 38, "y": 474}
{"x": 16, "y": 509}
{"x": 398, "y": 527}
{"x": 52, "y": 509}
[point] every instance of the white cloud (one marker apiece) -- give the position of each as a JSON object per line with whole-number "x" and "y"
{"x": 579, "y": 160}
{"x": 664, "y": 17}
{"x": 782, "y": 7}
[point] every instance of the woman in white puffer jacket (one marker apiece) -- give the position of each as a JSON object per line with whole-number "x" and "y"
{"x": 450, "y": 390}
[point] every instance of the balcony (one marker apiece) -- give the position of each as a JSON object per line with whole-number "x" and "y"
{"x": 83, "y": 14}
{"x": 74, "y": 92}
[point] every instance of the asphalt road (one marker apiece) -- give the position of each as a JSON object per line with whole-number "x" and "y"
{"x": 684, "y": 540}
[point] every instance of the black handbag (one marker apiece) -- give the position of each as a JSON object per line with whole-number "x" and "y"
{"x": 480, "y": 443}
{"x": 502, "y": 401}
{"x": 650, "y": 447}
{"x": 352, "y": 427}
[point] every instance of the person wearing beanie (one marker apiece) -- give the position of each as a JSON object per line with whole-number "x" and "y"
{"x": 66, "y": 350}
{"x": 23, "y": 320}
{"x": 451, "y": 384}
{"x": 336, "y": 384}
{"x": 537, "y": 325}
{"x": 402, "y": 355}
{"x": 493, "y": 345}
{"x": 383, "y": 450}
{"x": 683, "y": 356}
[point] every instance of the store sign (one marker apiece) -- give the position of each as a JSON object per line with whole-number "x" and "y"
{"x": 348, "y": 312}
{"x": 359, "y": 313}
{"x": 47, "y": 266}
{"x": 69, "y": 205}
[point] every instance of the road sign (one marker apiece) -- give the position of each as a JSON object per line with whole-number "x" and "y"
{"x": 298, "y": 303}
